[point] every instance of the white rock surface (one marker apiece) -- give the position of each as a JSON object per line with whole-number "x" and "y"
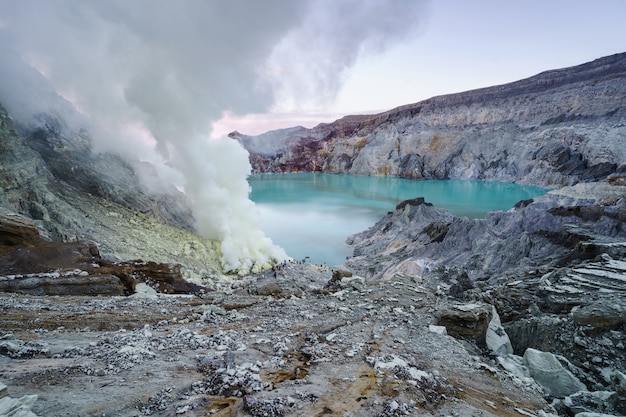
{"x": 497, "y": 340}
{"x": 437, "y": 329}
{"x": 143, "y": 290}
{"x": 17, "y": 407}
{"x": 548, "y": 372}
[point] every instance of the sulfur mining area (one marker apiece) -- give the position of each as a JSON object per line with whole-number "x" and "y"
{"x": 112, "y": 305}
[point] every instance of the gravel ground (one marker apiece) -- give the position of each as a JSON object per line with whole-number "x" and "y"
{"x": 273, "y": 346}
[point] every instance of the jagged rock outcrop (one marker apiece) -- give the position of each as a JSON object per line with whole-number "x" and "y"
{"x": 32, "y": 265}
{"x": 553, "y": 268}
{"x": 556, "y": 128}
{"x": 554, "y": 230}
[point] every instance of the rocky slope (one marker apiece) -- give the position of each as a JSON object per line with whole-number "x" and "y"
{"x": 556, "y": 128}
{"x": 49, "y": 174}
{"x": 554, "y": 268}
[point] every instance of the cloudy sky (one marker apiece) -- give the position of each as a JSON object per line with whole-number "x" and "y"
{"x": 460, "y": 45}
{"x": 256, "y": 65}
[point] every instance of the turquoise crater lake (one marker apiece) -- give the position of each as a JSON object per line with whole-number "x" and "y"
{"x": 312, "y": 214}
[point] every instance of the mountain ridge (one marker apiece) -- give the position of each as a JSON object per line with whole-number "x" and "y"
{"x": 574, "y": 117}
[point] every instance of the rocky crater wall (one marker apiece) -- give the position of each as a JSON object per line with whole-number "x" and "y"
{"x": 557, "y": 128}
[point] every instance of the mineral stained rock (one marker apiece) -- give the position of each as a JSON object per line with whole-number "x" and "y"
{"x": 50, "y": 175}
{"x": 557, "y": 128}
{"x": 31, "y": 265}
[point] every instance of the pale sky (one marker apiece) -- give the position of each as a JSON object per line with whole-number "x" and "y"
{"x": 461, "y": 45}
{"x": 197, "y": 68}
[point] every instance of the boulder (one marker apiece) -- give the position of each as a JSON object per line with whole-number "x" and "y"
{"x": 16, "y": 230}
{"x": 24, "y": 251}
{"x": 466, "y": 321}
{"x": 55, "y": 284}
{"x": 496, "y": 338}
{"x": 142, "y": 290}
{"x": 437, "y": 329}
{"x": 267, "y": 288}
{"x": 603, "y": 315}
{"x": 547, "y": 371}
{"x": 164, "y": 277}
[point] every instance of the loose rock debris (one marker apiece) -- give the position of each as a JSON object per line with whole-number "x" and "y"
{"x": 357, "y": 350}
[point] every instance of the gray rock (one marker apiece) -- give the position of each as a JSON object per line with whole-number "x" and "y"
{"x": 606, "y": 314}
{"x": 606, "y": 402}
{"x": 548, "y": 372}
{"x": 496, "y": 338}
{"x": 17, "y": 407}
{"x": 466, "y": 321}
{"x": 268, "y": 288}
{"x": 51, "y": 284}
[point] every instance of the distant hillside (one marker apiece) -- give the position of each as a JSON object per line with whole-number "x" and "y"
{"x": 559, "y": 127}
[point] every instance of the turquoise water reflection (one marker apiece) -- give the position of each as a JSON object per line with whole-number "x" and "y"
{"x": 312, "y": 214}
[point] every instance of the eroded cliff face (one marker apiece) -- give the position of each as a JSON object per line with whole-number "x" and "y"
{"x": 557, "y": 128}
{"x": 554, "y": 268}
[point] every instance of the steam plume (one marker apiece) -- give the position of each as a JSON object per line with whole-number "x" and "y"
{"x": 170, "y": 69}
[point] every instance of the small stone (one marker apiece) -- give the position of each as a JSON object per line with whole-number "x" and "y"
{"x": 437, "y": 329}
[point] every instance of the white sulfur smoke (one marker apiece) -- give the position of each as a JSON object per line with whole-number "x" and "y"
{"x": 310, "y": 63}
{"x": 151, "y": 76}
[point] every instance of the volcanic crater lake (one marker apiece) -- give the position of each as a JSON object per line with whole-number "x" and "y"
{"x": 310, "y": 215}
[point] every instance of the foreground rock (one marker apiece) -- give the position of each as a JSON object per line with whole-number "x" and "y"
{"x": 348, "y": 351}
{"x": 546, "y": 369}
{"x": 32, "y": 265}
